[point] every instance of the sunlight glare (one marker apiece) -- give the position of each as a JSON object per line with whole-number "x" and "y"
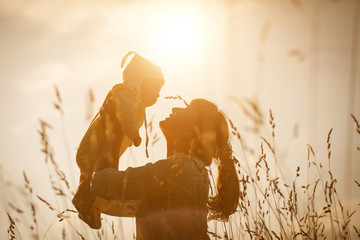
{"x": 180, "y": 34}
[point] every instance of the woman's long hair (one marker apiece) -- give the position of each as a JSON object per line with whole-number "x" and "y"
{"x": 226, "y": 200}
{"x": 214, "y": 143}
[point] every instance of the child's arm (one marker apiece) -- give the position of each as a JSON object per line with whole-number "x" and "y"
{"x": 127, "y": 105}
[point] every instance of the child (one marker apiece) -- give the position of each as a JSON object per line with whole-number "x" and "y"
{"x": 114, "y": 129}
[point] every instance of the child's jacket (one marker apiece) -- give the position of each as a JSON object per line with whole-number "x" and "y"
{"x": 111, "y": 131}
{"x": 119, "y": 119}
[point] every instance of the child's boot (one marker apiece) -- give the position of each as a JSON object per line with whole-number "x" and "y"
{"x": 92, "y": 218}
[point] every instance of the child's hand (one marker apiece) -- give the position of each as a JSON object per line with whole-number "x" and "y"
{"x": 136, "y": 141}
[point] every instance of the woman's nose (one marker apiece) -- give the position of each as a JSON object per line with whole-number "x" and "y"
{"x": 176, "y": 109}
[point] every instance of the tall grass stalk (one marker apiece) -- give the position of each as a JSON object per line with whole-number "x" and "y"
{"x": 270, "y": 206}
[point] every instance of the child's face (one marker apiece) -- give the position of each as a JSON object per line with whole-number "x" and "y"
{"x": 150, "y": 89}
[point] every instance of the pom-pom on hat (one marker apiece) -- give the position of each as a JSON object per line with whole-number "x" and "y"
{"x": 139, "y": 69}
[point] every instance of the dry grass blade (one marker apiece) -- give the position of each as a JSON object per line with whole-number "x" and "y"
{"x": 44, "y": 126}
{"x": 296, "y": 3}
{"x": 357, "y": 123}
{"x": 90, "y": 99}
{"x": 27, "y": 183}
{"x": 44, "y": 201}
{"x": 32, "y": 206}
{"x": 357, "y": 231}
{"x": 298, "y": 54}
{"x": 156, "y": 139}
{"x": 311, "y": 149}
{"x": 261, "y": 158}
{"x": 151, "y": 124}
{"x": 328, "y": 138}
{"x": 63, "y": 234}
{"x": 251, "y": 110}
{"x": 269, "y": 207}
{"x": 48, "y": 152}
{"x": 268, "y": 144}
{"x": 61, "y": 215}
{"x": 58, "y": 102}
{"x": 177, "y": 97}
{"x": 18, "y": 210}
{"x": 11, "y": 229}
{"x": 80, "y": 235}
{"x": 265, "y": 31}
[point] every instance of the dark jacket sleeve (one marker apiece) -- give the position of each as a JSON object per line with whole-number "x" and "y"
{"x": 149, "y": 181}
{"x": 121, "y": 208}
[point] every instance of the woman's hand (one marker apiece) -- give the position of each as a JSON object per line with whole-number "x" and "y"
{"x": 103, "y": 183}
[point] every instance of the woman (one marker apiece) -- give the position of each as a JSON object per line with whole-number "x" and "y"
{"x": 170, "y": 197}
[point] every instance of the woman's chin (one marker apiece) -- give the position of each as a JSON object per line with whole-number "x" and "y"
{"x": 162, "y": 124}
{"x": 165, "y": 127}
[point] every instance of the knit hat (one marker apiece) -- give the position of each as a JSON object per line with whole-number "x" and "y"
{"x": 139, "y": 69}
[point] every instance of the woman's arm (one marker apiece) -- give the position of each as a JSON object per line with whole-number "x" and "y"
{"x": 121, "y": 208}
{"x": 113, "y": 184}
{"x": 149, "y": 181}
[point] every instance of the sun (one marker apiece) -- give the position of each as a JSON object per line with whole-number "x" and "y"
{"x": 180, "y": 33}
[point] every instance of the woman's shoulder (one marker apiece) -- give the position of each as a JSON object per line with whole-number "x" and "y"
{"x": 188, "y": 159}
{"x": 179, "y": 173}
{"x": 181, "y": 162}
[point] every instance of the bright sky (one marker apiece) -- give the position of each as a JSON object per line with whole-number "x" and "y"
{"x": 205, "y": 48}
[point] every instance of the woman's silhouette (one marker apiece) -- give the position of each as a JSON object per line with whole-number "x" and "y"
{"x": 170, "y": 197}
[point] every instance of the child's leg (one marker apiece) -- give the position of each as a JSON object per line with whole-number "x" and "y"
{"x": 85, "y": 159}
{"x": 84, "y": 202}
{"x": 104, "y": 155}
{"x": 84, "y": 198}
{"x": 107, "y": 158}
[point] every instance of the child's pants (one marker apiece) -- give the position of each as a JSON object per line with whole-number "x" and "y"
{"x": 99, "y": 149}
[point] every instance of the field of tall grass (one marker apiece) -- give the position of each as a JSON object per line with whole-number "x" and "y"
{"x": 270, "y": 206}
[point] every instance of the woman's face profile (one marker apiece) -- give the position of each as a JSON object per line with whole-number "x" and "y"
{"x": 178, "y": 122}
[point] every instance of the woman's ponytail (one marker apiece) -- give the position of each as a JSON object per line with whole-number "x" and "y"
{"x": 225, "y": 202}
{"x": 212, "y": 135}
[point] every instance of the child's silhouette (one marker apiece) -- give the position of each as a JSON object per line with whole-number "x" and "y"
{"x": 114, "y": 129}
